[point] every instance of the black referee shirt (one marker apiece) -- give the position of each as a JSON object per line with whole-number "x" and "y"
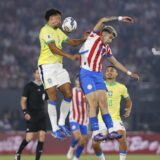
{"x": 36, "y": 96}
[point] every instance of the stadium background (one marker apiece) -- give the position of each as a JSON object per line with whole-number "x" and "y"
{"x": 19, "y": 46}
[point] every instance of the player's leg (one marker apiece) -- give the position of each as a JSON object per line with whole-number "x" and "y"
{"x": 49, "y": 78}
{"x": 98, "y": 151}
{"x": 82, "y": 142}
{"x": 26, "y": 140}
{"x": 64, "y": 86}
{"x": 102, "y": 103}
{"x": 96, "y": 145}
{"x": 122, "y": 145}
{"x": 52, "y": 112}
{"x": 41, "y": 139}
{"x": 65, "y": 106}
{"x": 76, "y": 136}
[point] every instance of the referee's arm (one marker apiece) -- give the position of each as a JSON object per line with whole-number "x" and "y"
{"x": 23, "y": 103}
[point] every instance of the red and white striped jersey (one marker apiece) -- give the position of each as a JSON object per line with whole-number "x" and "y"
{"x": 92, "y": 52}
{"x": 79, "y": 108}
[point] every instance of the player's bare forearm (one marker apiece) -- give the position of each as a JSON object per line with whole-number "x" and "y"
{"x": 58, "y": 51}
{"x": 75, "y": 42}
{"x": 23, "y": 103}
{"x": 118, "y": 65}
{"x": 100, "y": 24}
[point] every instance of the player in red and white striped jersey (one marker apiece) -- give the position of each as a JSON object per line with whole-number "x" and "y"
{"x": 78, "y": 121}
{"x": 92, "y": 51}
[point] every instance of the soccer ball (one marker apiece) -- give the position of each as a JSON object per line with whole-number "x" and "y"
{"x": 69, "y": 24}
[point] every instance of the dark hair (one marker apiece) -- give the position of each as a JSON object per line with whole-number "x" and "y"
{"x": 110, "y": 29}
{"x": 111, "y": 67}
{"x": 52, "y": 12}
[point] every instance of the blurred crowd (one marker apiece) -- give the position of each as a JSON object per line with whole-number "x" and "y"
{"x": 22, "y": 20}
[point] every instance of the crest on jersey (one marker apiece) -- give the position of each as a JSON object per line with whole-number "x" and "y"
{"x": 89, "y": 87}
{"x": 110, "y": 93}
{"x": 49, "y": 80}
{"x": 74, "y": 127}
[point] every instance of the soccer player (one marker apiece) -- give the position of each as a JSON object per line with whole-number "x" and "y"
{"x": 32, "y": 105}
{"x": 51, "y": 69}
{"x": 115, "y": 92}
{"x": 92, "y": 51}
{"x": 78, "y": 122}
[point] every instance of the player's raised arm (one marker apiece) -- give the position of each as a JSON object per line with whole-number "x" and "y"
{"x": 100, "y": 24}
{"x": 122, "y": 68}
{"x": 75, "y": 42}
{"x": 56, "y": 50}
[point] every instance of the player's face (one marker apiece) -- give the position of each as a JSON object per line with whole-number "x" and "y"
{"x": 55, "y": 21}
{"x": 106, "y": 37}
{"x": 37, "y": 76}
{"x": 111, "y": 73}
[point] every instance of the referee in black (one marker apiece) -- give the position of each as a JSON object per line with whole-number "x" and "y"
{"x": 32, "y": 105}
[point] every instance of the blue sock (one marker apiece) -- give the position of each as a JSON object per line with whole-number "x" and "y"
{"x": 107, "y": 120}
{"x": 94, "y": 123}
{"x": 73, "y": 142}
{"x": 98, "y": 154}
{"x": 78, "y": 151}
{"x": 68, "y": 99}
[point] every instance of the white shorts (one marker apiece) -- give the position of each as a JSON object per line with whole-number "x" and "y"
{"x": 117, "y": 125}
{"x": 53, "y": 75}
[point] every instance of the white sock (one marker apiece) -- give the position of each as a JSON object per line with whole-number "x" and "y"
{"x": 122, "y": 156}
{"x": 64, "y": 110}
{"x": 70, "y": 153}
{"x": 75, "y": 158}
{"x": 101, "y": 157}
{"x": 52, "y": 112}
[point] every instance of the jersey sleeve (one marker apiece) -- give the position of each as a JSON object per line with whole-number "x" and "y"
{"x": 25, "y": 92}
{"x": 48, "y": 36}
{"x": 125, "y": 92}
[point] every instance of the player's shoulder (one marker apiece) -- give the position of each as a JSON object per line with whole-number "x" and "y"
{"x": 45, "y": 29}
{"x": 121, "y": 85}
{"x": 28, "y": 85}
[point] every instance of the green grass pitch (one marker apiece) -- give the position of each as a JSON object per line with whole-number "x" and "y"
{"x": 109, "y": 157}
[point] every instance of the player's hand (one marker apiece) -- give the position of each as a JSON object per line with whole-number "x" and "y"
{"x": 85, "y": 35}
{"x": 27, "y": 117}
{"x": 127, "y": 19}
{"x": 127, "y": 112}
{"x": 75, "y": 57}
{"x": 135, "y": 76}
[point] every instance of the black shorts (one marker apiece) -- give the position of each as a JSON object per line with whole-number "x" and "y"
{"x": 37, "y": 123}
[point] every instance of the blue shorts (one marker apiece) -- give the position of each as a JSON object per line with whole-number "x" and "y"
{"x": 76, "y": 126}
{"x": 91, "y": 81}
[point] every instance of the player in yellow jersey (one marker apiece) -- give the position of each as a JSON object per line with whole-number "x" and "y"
{"x": 53, "y": 75}
{"x": 115, "y": 92}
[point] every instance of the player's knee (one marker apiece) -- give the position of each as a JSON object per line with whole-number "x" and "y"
{"x": 68, "y": 95}
{"x": 95, "y": 145}
{"x": 82, "y": 141}
{"x": 41, "y": 137}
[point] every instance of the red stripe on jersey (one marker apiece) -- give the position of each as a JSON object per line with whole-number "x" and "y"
{"x": 78, "y": 118}
{"x": 92, "y": 50}
{"x": 100, "y": 65}
{"x": 73, "y": 109}
{"x": 96, "y": 58}
{"x": 83, "y": 112}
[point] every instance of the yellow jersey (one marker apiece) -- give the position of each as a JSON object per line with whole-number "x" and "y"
{"x": 46, "y": 36}
{"x": 115, "y": 92}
